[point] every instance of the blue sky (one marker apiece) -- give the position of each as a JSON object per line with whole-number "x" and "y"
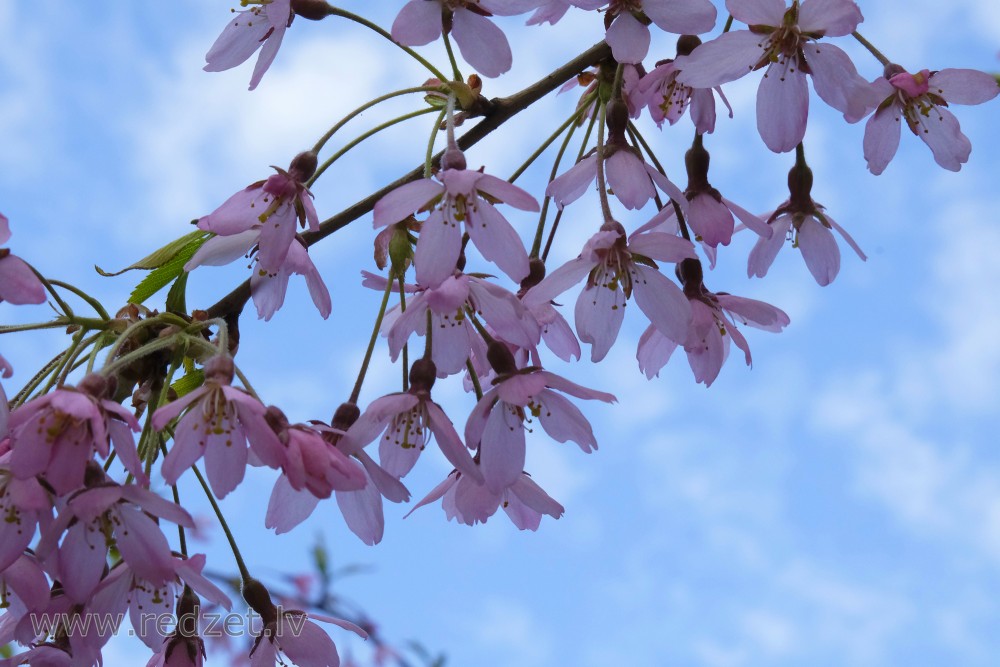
{"x": 838, "y": 504}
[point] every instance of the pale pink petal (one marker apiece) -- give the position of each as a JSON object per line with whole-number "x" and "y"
{"x": 407, "y": 199}
{"x": 667, "y": 186}
{"x": 942, "y": 134}
{"x": 362, "y": 512}
{"x": 155, "y": 505}
{"x": 239, "y": 40}
{"x": 752, "y": 221}
{"x": 882, "y": 138}
{"x": 82, "y": 558}
{"x": 599, "y": 313}
{"x": 571, "y": 184}
{"x": 270, "y": 49}
{"x": 705, "y": 346}
{"x": 221, "y": 250}
{"x": 757, "y": 12}
{"x": 662, "y": 302}
{"x": 703, "y": 109}
{"x": 4, "y": 228}
{"x": 450, "y": 442}
{"x": 18, "y": 283}
{"x": 628, "y": 180}
{"x": 474, "y": 502}
{"x": 496, "y": 239}
{"x": 268, "y": 292}
{"x": 683, "y": 17}
{"x": 710, "y": 220}
{"x": 507, "y": 192}
{"x": 628, "y": 38}
{"x": 766, "y": 249}
{"x": 310, "y": 646}
{"x": 277, "y": 234}
{"x": 225, "y": 457}
{"x": 782, "y": 106}
{"x": 726, "y": 58}
{"x": 838, "y": 83}
{"x": 964, "y": 86}
{"x": 563, "y": 421}
{"x": 557, "y": 333}
{"x": 754, "y": 313}
{"x": 654, "y": 351}
{"x": 483, "y": 45}
{"x": 438, "y": 248}
{"x": 418, "y": 23}
{"x": 832, "y": 18}
{"x": 374, "y": 420}
{"x": 847, "y": 237}
{"x": 819, "y": 250}
{"x": 502, "y": 448}
{"x": 534, "y": 497}
{"x": 566, "y": 276}
{"x": 190, "y": 571}
{"x": 436, "y": 493}
{"x": 287, "y": 507}
{"x": 188, "y": 448}
{"x": 522, "y": 516}
{"x": 505, "y": 314}
{"x": 143, "y": 545}
{"x": 389, "y": 486}
{"x": 451, "y": 345}
{"x": 236, "y": 214}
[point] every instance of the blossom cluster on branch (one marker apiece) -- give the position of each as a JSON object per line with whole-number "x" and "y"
{"x": 85, "y": 534}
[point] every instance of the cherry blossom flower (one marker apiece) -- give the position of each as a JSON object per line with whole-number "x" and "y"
{"x": 263, "y": 24}
{"x": 24, "y": 504}
{"x": 615, "y": 269}
{"x": 108, "y": 511}
{"x": 549, "y": 11}
{"x": 785, "y": 41}
{"x": 218, "y": 423}
{"x": 18, "y": 283}
{"x": 804, "y": 222}
{"x": 25, "y": 590}
{"x": 632, "y": 180}
{"x": 470, "y": 502}
{"x": 667, "y": 99}
{"x": 460, "y": 197}
{"x": 291, "y": 633}
{"x": 712, "y": 327}
{"x": 450, "y": 305}
{"x": 406, "y": 421}
{"x": 272, "y": 206}
{"x": 482, "y": 44}
{"x": 57, "y": 434}
{"x": 921, "y": 99}
{"x": 629, "y": 37}
{"x": 496, "y": 424}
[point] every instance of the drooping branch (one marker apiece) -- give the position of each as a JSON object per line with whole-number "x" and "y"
{"x": 499, "y": 112}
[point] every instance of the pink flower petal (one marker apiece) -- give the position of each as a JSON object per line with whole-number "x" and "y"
{"x": 502, "y": 448}
{"x": 438, "y": 248}
{"x": 572, "y": 183}
{"x": 942, "y": 134}
{"x": 757, "y": 12}
{"x": 654, "y": 351}
{"x": 507, "y": 192}
{"x": 418, "y": 23}
{"x": 287, "y": 507}
{"x": 962, "y": 86}
{"x": 662, "y": 302}
{"x": 628, "y": 38}
{"x": 409, "y": 198}
{"x": 563, "y": 421}
{"x": 782, "y": 106}
{"x": 832, "y": 18}
{"x": 483, "y": 45}
{"x": 599, "y": 313}
{"x": 723, "y": 59}
{"x": 683, "y": 17}
{"x": 497, "y": 241}
{"x": 766, "y": 249}
{"x": 362, "y": 512}
{"x": 628, "y": 179}
{"x": 819, "y": 250}
{"x": 882, "y": 138}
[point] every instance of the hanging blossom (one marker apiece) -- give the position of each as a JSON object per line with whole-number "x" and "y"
{"x": 451, "y": 304}
{"x": 784, "y": 40}
{"x": 482, "y": 44}
{"x": 218, "y": 423}
{"x": 805, "y": 223}
{"x": 18, "y": 283}
{"x": 273, "y": 207}
{"x": 471, "y": 502}
{"x": 921, "y": 99}
{"x": 291, "y": 633}
{"x": 459, "y": 197}
{"x": 267, "y": 289}
{"x": 406, "y": 421}
{"x": 25, "y": 590}
{"x": 56, "y": 435}
{"x": 24, "y": 505}
{"x": 496, "y": 424}
{"x": 615, "y": 268}
{"x": 667, "y": 99}
{"x": 628, "y": 35}
{"x": 712, "y": 328}
{"x": 264, "y": 24}
{"x": 630, "y": 178}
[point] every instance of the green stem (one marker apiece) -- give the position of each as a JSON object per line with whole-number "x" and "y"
{"x": 356, "y": 392}
{"x": 638, "y": 138}
{"x": 244, "y": 572}
{"x": 474, "y": 376}
{"x": 148, "y": 348}
{"x": 336, "y": 11}
{"x": 536, "y": 245}
{"x": 602, "y": 183}
{"x": 375, "y": 130}
{"x": 429, "y": 157}
{"x": 94, "y": 303}
{"x": 67, "y": 311}
{"x": 871, "y": 48}
{"x": 406, "y": 346}
{"x": 451, "y": 57}
{"x": 729, "y": 24}
{"x": 368, "y": 105}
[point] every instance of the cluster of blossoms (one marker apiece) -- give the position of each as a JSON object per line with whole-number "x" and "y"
{"x": 78, "y": 543}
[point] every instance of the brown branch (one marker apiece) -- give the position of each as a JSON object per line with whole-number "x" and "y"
{"x": 501, "y": 110}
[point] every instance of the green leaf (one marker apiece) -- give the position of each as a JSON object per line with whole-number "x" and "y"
{"x": 189, "y": 382}
{"x": 176, "y": 303}
{"x": 172, "y": 268}
{"x": 157, "y": 259}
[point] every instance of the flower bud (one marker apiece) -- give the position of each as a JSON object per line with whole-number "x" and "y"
{"x": 423, "y": 373}
{"x": 259, "y": 600}
{"x": 345, "y": 416}
{"x": 303, "y": 165}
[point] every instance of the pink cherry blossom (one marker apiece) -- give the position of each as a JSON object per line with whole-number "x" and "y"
{"x": 263, "y": 24}
{"x": 615, "y": 268}
{"x": 25, "y": 591}
{"x": 273, "y": 207}
{"x": 713, "y": 317}
{"x": 57, "y": 434}
{"x": 921, "y": 99}
{"x": 482, "y": 44}
{"x": 629, "y": 37}
{"x": 451, "y": 304}
{"x": 496, "y": 425}
{"x": 470, "y": 502}
{"x": 668, "y": 99}
{"x": 18, "y": 283}
{"x": 784, "y": 40}
{"x": 108, "y": 511}
{"x": 24, "y": 504}
{"x": 459, "y": 197}
{"x": 549, "y": 11}
{"x": 218, "y": 423}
